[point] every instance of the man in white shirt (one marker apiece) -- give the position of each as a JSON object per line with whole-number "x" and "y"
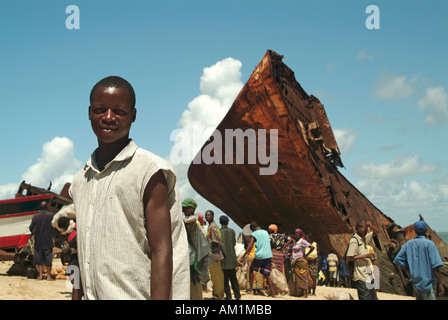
{"x": 358, "y": 252}
{"x": 132, "y": 241}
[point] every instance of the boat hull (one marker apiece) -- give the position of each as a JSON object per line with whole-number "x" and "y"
{"x": 307, "y": 191}
{"x": 15, "y": 219}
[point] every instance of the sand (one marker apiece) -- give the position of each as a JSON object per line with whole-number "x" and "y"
{"x": 22, "y": 288}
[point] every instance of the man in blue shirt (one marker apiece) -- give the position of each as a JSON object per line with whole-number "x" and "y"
{"x": 263, "y": 256}
{"x": 421, "y": 258}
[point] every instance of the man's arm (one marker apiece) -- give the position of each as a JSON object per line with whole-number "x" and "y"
{"x": 353, "y": 250}
{"x": 372, "y": 228}
{"x": 158, "y": 226}
{"x": 440, "y": 287}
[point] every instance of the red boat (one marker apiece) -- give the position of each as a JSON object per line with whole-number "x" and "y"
{"x": 16, "y": 213}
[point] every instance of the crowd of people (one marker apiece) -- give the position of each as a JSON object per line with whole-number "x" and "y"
{"x": 277, "y": 263}
{"x": 271, "y": 262}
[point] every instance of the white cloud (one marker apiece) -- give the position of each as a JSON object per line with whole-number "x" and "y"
{"x": 8, "y": 191}
{"x": 56, "y": 164}
{"x": 399, "y": 167}
{"x": 363, "y": 55}
{"x": 219, "y": 85}
{"x": 392, "y": 87}
{"x": 404, "y": 200}
{"x": 435, "y": 103}
{"x": 345, "y": 138}
{"x": 333, "y": 65}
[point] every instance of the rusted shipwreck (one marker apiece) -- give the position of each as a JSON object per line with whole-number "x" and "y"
{"x": 307, "y": 191}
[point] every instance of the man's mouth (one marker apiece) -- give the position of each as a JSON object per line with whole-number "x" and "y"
{"x": 108, "y": 129}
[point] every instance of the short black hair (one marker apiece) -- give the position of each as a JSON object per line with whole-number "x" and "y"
{"x": 253, "y": 225}
{"x": 63, "y": 222}
{"x": 115, "y": 82}
{"x": 359, "y": 225}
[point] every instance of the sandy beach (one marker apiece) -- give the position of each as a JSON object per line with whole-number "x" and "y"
{"x": 22, "y": 288}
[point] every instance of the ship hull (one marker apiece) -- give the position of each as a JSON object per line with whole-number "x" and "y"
{"x": 15, "y": 219}
{"x": 307, "y": 191}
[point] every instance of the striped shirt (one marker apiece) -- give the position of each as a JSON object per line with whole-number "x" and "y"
{"x": 113, "y": 248}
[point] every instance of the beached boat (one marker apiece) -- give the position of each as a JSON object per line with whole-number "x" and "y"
{"x": 16, "y": 213}
{"x": 307, "y": 190}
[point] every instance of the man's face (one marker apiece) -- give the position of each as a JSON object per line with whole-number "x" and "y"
{"x": 189, "y": 211}
{"x": 209, "y": 216}
{"x": 110, "y": 114}
{"x": 362, "y": 231}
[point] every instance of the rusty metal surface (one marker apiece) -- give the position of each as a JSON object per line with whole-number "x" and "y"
{"x": 56, "y": 203}
{"x": 307, "y": 191}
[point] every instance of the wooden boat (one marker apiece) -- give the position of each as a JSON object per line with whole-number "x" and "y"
{"x": 307, "y": 191}
{"x": 16, "y": 213}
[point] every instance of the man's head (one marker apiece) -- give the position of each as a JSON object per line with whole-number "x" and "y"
{"x": 361, "y": 229}
{"x": 420, "y": 227}
{"x": 209, "y": 215}
{"x": 189, "y": 206}
{"x": 224, "y": 220}
{"x": 43, "y": 205}
{"x": 63, "y": 223}
{"x": 254, "y": 226}
{"x": 112, "y": 109}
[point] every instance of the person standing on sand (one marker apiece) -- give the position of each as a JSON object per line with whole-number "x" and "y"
{"x": 263, "y": 256}
{"x": 299, "y": 263}
{"x": 358, "y": 252}
{"x": 230, "y": 262}
{"x": 132, "y": 242}
{"x": 216, "y": 256}
{"x": 421, "y": 259}
{"x": 43, "y": 240}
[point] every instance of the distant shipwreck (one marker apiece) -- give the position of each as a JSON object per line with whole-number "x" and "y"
{"x": 307, "y": 191}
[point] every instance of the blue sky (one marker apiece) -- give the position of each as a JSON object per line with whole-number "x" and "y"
{"x": 385, "y": 91}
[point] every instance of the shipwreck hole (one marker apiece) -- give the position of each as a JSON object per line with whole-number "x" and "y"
{"x": 377, "y": 242}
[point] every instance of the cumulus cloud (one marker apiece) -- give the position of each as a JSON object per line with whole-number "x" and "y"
{"x": 435, "y": 104}
{"x": 399, "y": 167}
{"x": 57, "y": 164}
{"x": 345, "y": 138}
{"x": 219, "y": 86}
{"x": 393, "y": 87}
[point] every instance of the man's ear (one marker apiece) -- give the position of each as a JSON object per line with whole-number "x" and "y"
{"x": 89, "y": 112}
{"x": 134, "y": 114}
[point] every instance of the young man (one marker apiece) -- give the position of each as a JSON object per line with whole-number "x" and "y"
{"x": 214, "y": 238}
{"x": 43, "y": 240}
{"x": 230, "y": 262}
{"x": 263, "y": 256}
{"x": 421, "y": 258}
{"x": 132, "y": 241}
{"x": 358, "y": 252}
{"x": 332, "y": 260}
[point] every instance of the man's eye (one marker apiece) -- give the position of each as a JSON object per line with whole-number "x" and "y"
{"x": 120, "y": 112}
{"x": 98, "y": 110}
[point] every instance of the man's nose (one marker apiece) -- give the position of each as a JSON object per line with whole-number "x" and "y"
{"x": 109, "y": 115}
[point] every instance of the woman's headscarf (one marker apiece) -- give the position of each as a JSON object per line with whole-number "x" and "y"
{"x": 273, "y": 227}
